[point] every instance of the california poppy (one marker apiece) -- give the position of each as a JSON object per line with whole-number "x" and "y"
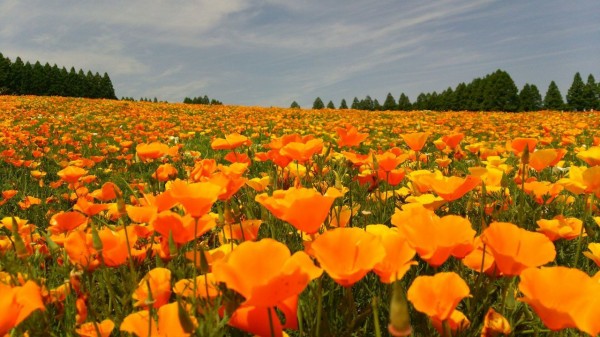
{"x": 594, "y": 252}
{"x": 157, "y": 282}
{"x": 182, "y": 228}
{"x": 591, "y": 156}
{"x": 398, "y": 254}
{"x": 516, "y": 249}
{"x": 457, "y": 322}
{"x": 17, "y": 303}
{"x": 561, "y": 307}
{"x": 452, "y": 188}
{"x": 560, "y": 228}
{"x": 291, "y": 205}
{"x": 416, "y": 140}
{"x": 302, "y": 152}
{"x": 348, "y": 254}
{"x": 435, "y": 239}
{"x": 230, "y": 142}
{"x": 265, "y": 272}
{"x": 437, "y": 296}
{"x": 63, "y": 222}
{"x": 494, "y": 324}
{"x": 196, "y": 198}
{"x": 541, "y": 159}
{"x": 518, "y": 145}
{"x": 91, "y": 329}
{"x": 168, "y": 324}
{"x": 151, "y": 151}
{"x": 71, "y": 174}
{"x": 349, "y": 136}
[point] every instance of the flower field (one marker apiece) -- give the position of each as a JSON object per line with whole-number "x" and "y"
{"x": 153, "y": 219}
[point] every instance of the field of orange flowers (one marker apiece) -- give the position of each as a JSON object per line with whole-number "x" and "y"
{"x": 151, "y": 219}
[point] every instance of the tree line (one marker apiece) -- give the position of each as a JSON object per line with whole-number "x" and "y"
{"x": 202, "y": 100}
{"x": 494, "y": 92}
{"x": 19, "y": 78}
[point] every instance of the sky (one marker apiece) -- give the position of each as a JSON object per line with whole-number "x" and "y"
{"x": 273, "y": 52}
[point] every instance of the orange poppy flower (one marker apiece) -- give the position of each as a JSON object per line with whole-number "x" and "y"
{"x": 151, "y": 151}
{"x": 8, "y": 194}
{"x": 348, "y": 254}
{"x": 71, "y": 174}
{"x": 205, "y": 287}
{"x": 594, "y": 253}
{"x": 398, "y": 254}
{"x": 453, "y": 139}
{"x": 494, "y": 324}
{"x": 196, "y": 198}
{"x": 349, "y": 136}
{"x": 475, "y": 258}
{"x": 435, "y": 239}
{"x": 561, "y": 307}
{"x": 78, "y": 246}
{"x": 115, "y": 250}
{"x": 89, "y": 329}
{"x": 230, "y": 142}
{"x": 437, "y": 296}
{"x": 168, "y": 325}
{"x": 457, "y": 322}
{"x": 543, "y": 192}
{"x": 452, "y": 188}
{"x": 516, "y": 249}
{"x": 17, "y": 303}
{"x": 159, "y": 282}
{"x": 89, "y": 208}
{"x": 265, "y": 272}
{"x": 291, "y": 205}
{"x": 141, "y": 214}
{"x": 541, "y": 159}
{"x": 591, "y": 156}
{"x": 256, "y": 321}
{"x": 519, "y": 144}
{"x": 246, "y": 230}
{"x": 63, "y": 222}
{"x": 302, "y": 152}
{"x": 560, "y": 228}
{"x": 416, "y": 140}
{"x": 109, "y": 191}
{"x": 182, "y": 228}
{"x": 165, "y": 172}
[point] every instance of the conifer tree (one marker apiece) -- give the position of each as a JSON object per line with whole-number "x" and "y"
{"x": 590, "y": 93}
{"x": 343, "y": 104}
{"x": 575, "y": 94}
{"x": 390, "y": 102}
{"x": 404, "y": 103}
{"x": 318, "y": 104}
{"x": 330, "y": 105}
{"x": 553, "y": 99}
{"x": 295, "y": 105}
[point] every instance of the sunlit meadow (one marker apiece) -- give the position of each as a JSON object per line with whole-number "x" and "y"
{"x": 153, "y": 219}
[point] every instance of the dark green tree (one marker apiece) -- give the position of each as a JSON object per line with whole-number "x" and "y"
{"x": 500, "y": 93}
{"x": 404, "y": 103}
{"x": 38, "y": 83}
{"x": 530, "y": 98}
{"x": 553, "y": 99}
{"x": 5, "y": 66}
{"x": 318, "y": 104}
{"x": 590, "y": 93}
{"x": 390, "y": 102}
{"x": 460, "y": 97}
{"x": 367, "y": 103}
{"x": 376, "y": 105}
{"x": 295, "y": 105}
{"x": 575, "y": 94}
{"x": 330, "y": 105}
{"x": 343, "y": 104}
{"x": 108, "y": 91}
{"x": 355, "y": 104}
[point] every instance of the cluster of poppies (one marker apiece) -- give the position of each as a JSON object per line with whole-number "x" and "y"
{"x": 265, "y": 208}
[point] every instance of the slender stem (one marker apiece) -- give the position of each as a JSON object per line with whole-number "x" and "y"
{"x": 271, "y": 321}
{"x": 319, "y": 305}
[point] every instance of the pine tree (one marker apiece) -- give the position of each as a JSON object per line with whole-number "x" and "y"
{"x": 460, "y": 99}
{"x": 108, "y": 91}
{"x": 39, "y": 80}
{"x": 376, "y": 105}
{"x": 5, "y": 65}
{"x": 367, "y": 103}
{"x": 500, "y": 93}
{"x": 575, "y": 98}
{"x": 590, "y": 93}
{"x": 390, "y": 102}
{"x": 330, "y": 105}
{"x": 295, "y": 105}
{"x": 404, "y": 103}
{"x": 318, "y": 104}
{"x": 355, "y": 104}
{"x": 343, "y": 104}
{"x": 16, "y": 73}
{"x": 553, "y": 99}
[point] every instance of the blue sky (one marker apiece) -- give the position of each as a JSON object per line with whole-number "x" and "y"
{"x": 272, "y": 52}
